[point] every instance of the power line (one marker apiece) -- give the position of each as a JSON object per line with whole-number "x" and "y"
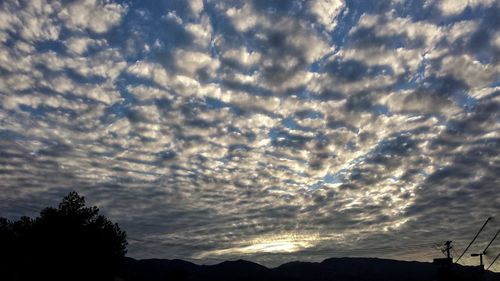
{"x": 484, "y": 251}
{"x": 474, "y": 239}
{"x": 493, "y": 261}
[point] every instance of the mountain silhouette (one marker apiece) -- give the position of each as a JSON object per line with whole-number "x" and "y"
{"x": 334, "y": 269}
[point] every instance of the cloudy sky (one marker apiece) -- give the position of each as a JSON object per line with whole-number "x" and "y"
{"x": 265, "y": 130}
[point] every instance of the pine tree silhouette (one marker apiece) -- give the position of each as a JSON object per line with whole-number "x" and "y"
{"x": 70, "y": 242}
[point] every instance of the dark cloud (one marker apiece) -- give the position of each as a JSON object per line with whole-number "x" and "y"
{"x": 367, "y": 38}
{"x": 352, "y": 70}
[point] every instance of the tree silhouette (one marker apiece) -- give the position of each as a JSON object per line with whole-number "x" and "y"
{"x": 70, "y": 242}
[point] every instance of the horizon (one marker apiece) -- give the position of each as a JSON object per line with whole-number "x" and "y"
{"x": 267, "y": 131}
{"x": 296, "y": 261}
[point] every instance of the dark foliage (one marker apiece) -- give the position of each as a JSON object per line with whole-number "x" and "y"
{"x": 70, "y": 242}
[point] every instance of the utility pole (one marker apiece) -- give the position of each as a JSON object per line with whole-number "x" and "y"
{"x": 481, "y": 266}
{"x": 448, "y": 248}
{"x": 444, "y": 265}
{"x": 480, "y": 255}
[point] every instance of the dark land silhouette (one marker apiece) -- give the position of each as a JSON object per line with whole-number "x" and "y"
{"x": 334, "y": 269}
{"x": 74, "y": 242}
{"x": 70, "y": 242}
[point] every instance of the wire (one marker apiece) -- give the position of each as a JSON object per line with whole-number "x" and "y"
{"x": 493, "y": 261}
{"x": 484, "y": 251}
{"x": 473, "y": 239}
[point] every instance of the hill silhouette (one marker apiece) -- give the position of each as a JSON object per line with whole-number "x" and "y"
{"x": 334, "y": 269}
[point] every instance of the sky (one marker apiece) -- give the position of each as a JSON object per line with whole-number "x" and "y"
{"x": 270, "y": 131}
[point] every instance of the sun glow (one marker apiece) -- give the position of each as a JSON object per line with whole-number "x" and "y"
{"x": 268, "y": 244}
{"x": 276, "y": 247}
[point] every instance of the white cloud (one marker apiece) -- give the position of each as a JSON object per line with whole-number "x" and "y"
{"x": 172, "y": 15}
{"x": 196, "y": 6}
{"x": 461, "y": 29}
{"x": 39, "y": 29}
{"x": 150, "y": 70}
{"x": 80, "y": 45}
{"x": 24, "y": 47}
{"x": 390, "y": 25}
{"x": 105, "y": 93}
{"x": 145, "y": 93}
{"x": 327, "y": 11}
{"x": 244, "y": 18}
{"x": 299, "y": 36}
{"x": 97, "y": 15}
{"x": 202, "y": 32}
{"x": 496, "y": 40}
{"x": 34, "y": 22}
{"x": 467, "y": 69}
{"x": 185, "y": 84}
{"x": 18, "y": 82}
{"x": 7, "y": 20}
{"x": 454, "y": 7}
{"x": 192, "y": 61}
{"x": 242, "y": 56}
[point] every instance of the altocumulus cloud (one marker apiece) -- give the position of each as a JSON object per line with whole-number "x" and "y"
{"x": 269, "y": 130}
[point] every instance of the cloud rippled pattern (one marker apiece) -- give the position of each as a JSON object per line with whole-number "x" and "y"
{"x": 269, "y": 130}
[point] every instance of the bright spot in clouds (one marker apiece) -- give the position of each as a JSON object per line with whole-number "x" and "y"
{"x": 268, "y": 244}
{"x": 274, "y": 247}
